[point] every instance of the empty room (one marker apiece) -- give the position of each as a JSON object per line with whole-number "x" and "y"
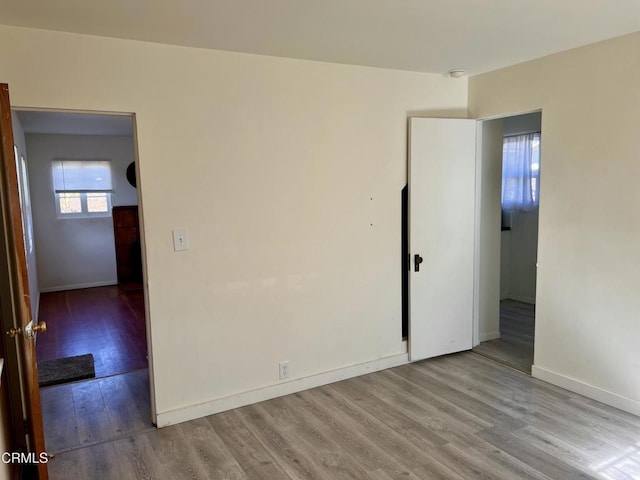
{"x": 291, "y": 329}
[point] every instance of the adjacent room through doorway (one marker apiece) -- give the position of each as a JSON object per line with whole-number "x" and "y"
{"x": 513, "y": 345}
{"x": 83, "y": 245}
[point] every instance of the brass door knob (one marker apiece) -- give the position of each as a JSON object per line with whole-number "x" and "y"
{"x": 41, "y": 327}
{"x": 29, "y": 331}
{"x": 12, "y": 332}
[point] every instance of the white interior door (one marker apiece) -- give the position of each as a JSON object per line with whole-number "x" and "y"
{"x": 442, "y": 182}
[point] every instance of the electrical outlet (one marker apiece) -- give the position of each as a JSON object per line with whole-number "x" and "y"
{"x": 285, "y": 370}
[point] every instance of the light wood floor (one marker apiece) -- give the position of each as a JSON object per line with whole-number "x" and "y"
{"x": 457, "y": 417}
{"x": 517, "y": 329}
{"x": 94, "y": 411}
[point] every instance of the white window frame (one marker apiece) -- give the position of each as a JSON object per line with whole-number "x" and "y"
{"x": 84, "y": 211}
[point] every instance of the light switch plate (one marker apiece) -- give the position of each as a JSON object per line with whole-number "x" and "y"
{"x": 180, "y": 240}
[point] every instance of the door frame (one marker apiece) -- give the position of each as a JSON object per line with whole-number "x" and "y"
{"x": 142, "y": 231}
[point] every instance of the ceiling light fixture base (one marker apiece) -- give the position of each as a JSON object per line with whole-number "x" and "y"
{"x": 457, "y": 72}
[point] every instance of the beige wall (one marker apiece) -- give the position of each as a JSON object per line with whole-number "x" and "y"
{"x": 287, "y": 175}
{"x": 589, "y": 228}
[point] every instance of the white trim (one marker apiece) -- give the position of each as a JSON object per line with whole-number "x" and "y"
{"x": 218, "y": 405}
{"x": 36, "y": 313}
{"x": 591, "y": 391}
{"x": 485, "y": 336}
{"x": 78, "y": 286}
{"x": 476, "y": 336}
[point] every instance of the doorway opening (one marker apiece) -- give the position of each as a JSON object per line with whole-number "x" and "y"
{"x": 510, "y": 184}
{"x": 77, "y": 174}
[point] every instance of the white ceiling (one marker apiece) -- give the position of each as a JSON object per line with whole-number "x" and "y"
{"x": 65, "y": 123}
{"x": 420, "y": 35}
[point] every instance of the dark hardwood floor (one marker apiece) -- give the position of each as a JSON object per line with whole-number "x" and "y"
{"x": 517, "y": 329}
{"x": 457, "y": 417}
{"x": 104, "y": 321}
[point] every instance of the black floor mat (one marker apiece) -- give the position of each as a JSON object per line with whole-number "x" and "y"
{"x": 64, "y": 370}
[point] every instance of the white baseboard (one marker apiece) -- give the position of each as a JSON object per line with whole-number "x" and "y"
{"x": 596, "y": 393}
{"x": 218, "y": 405}
{"x": 489, "y": 336}
{"x": 78, "y": 286}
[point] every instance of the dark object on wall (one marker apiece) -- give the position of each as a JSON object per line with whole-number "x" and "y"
{"x": 131, "y": 174}
{"x": 505, "y": 221}
{"x": 126, "y": 233}
{"x": 404, "y": 262}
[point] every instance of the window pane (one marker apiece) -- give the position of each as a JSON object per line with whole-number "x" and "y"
{"x": 97, "y": 202}
{"x": 70, "y": 203}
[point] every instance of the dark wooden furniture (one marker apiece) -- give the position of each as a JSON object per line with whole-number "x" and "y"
{"x": 126, "y": 233}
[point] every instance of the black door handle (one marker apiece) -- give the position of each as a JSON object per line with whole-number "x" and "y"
{"x": 417, "y": 260}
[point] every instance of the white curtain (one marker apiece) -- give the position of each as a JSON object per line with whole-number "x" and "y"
{"x": 520, "y": 172}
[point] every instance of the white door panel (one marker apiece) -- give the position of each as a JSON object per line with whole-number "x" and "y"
{"x": 442, "y": 178}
